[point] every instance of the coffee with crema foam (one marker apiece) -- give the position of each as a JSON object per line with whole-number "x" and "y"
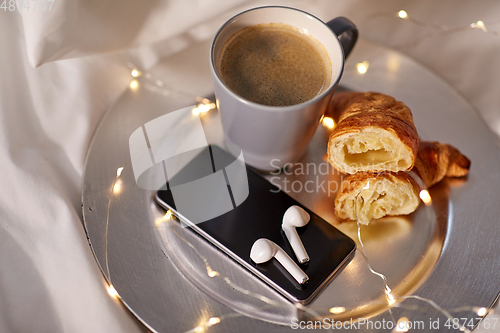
{"x": 274, "y": 64}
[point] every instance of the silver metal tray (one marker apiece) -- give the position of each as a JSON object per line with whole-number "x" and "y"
{"x": 173, "y": 281}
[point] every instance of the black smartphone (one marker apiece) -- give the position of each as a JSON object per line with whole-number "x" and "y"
{"x": 259, "y": 215}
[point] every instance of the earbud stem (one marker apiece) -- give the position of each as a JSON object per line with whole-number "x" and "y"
{"x": 297, "y": 246}
{"x": 292, "y": 268}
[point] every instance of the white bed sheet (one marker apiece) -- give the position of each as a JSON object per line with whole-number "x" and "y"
{"x": 49, "y": 281}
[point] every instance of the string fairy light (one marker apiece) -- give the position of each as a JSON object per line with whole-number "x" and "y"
{"x": 391, "y": 298}
{"x": 362, "y": 67}
{"x": 479, "y": 25}
{"x": 117, "y": 188}
{"x": 204, "y": 105}
{"x": 266, "y": 300}
{"x": 426, "y": 197}
{"x": 424, "y": 193}
{"x": 202, "y": 108}
{"x": 388, "y": 291}
{"x": 168, "y": 215}
{"x": 437, "y": 30}
{"x": 440, "y": 29}
{"x": 402, "y": 325}
{"x": 112, "y": 291}
{"x": 403, "y": 14}
{"x": 211, "y": 273}
{"x": 213, "y": 321}
{"x": 196, "y": 329}
{"x": 134, "y": 84}
{"x": 481, "y": 312}
{"x": 328, "y": 122}
{"x": 337, "y": 310}
{"x": 135, "y": 73}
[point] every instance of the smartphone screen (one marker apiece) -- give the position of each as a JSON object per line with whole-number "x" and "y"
{"x": 260, "y": 215}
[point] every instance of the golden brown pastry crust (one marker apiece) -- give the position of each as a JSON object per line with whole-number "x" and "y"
{"x": 399, "y": 190}
{"x": 436, "y": 160}
{"x": 360, "y": 112}
{"x": 339, "y": 103}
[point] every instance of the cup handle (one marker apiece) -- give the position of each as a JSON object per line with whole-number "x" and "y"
{"x": 346, "y": 31}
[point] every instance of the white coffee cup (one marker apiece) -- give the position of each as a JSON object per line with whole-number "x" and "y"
{"x": 271, "y": 136}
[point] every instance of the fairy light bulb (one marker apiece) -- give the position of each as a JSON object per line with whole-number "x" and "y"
{"x": 328, "y": 122}
{"x": 479, "y": 25}
{"x": 482, "y": 311}
{"x": 391, "y": 299}
{"x": 426, "y": 197}
{"x": 337, "y": 310}
{"x": 390, "y": 296}
{"x": 117, "y": 187}
{"x": 362, "y": 67}
{"x": 134, "y": 84}
{"x": 119, "y": 171}
{"x": 168, "y": 215}
{"x": 203, "y": 107}
{"x": 135, "y": 73}
{"x": 112, "y": 291}
{"x": 213, "y": 321}
{"x": 403, "y": 325}
{"x": 403, "y": 14}
{"x": 211, "y": 273}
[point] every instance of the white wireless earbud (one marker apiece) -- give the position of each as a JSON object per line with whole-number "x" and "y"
{"x": 263, "y": 250}
{"x": 295, "y": 217}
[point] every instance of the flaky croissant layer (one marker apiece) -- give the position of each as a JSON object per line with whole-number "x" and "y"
{"x": 436, "y": 160}
{"x": 366, "y": 196}
{"x": 375, "y": 133}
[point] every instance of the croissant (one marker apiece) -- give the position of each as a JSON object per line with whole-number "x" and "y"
{"x": 374, "y": 133}
{"x": 436, "y": 160}
{"x": 371, "y": 196}
{"x": 367, "y": 196}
